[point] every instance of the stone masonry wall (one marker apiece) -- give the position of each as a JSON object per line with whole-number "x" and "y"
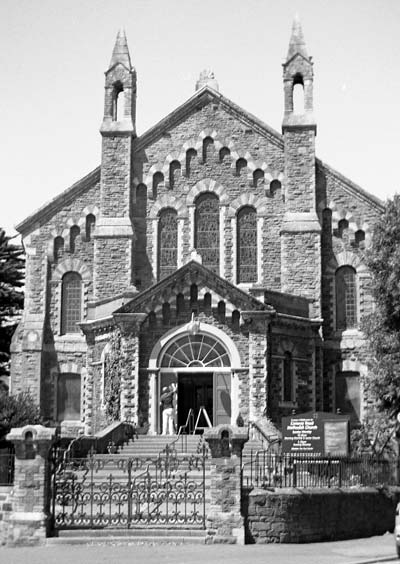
{"x": 313, "y": 515}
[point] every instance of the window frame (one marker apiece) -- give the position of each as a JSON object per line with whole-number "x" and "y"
{"x": 62, "y": 317}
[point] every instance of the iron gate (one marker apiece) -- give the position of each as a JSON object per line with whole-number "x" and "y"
{"x": 119, "y": 491}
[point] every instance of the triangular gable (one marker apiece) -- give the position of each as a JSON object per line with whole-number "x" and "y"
{"x": 204, "y": 96}
{"x": 180, "y": 282}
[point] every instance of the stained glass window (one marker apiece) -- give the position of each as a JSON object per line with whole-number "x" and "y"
{"x": 346, "y": 298}
{"x": 69, "y": 397}
{"x": 167, "y": 243}
{"x": 195, "y": 350}
{"x": 71, "y": 309}
{"x": 247, "y": 245}
{"x": 207, "y": 230}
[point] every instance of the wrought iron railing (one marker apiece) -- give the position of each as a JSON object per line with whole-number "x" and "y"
{"x": 268, "y": 441}
{"x": 266, "y": 469}
{"x": 7, "y": 458}
{"x": 121, "y": 491}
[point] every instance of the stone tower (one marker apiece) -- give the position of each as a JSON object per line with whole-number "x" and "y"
{"x": 114, "y": 234}
{"x": 300, "y": 232}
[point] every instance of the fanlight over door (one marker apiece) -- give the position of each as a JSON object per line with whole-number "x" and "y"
{"x": 195, "y": 351}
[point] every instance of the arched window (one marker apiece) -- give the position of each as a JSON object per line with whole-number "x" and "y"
{"x": 71, "y": 302}
{"x": 90, "y": 225}
{"x": 167, "y": 243}
{"x": 180, "y": 304}
{"x": 141, "y": 201}
{"x": 191, "y": 154}
{"x": 342, "y": 226}
{"x": 166, "y": 313}
{"x": 287, "y": 378}
{"x": 207, "y": 302}
{"x": 208, "y": 146}
{"x": 69, "y": 397}
{"x": 207, "y": 230}
{"x": 274, "y": 186}
{"x": 174, "y": 173}
{"x": 221, "y": 311}
{"x": 158, "y": 178}
{"x": 118, "y": 102}
{"x": 258, "y": 177}
{"x": 224, "y": 153}
{"x": 73, "y": 235}
{"x": 58, "y": 248}
{"x": 235, "y": 320}
{"x": 240, "y": 165}
{"x": 359, "y": 239}
{"x": 247, "y": 245}
{"x": 346, "y": 298}
{"x": 298, "y": 95}
{"x": 193, "y": 297}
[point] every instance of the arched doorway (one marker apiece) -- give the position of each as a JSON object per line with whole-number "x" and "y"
{"x": 200, "y": 359}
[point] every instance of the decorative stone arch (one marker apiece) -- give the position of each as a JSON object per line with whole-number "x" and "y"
{"x": 175, "y": 156}
{"x": 346, "y": 258}
{"x": 207, "y": 185}
{"x": 270, "y": 176}
{"x": 203, "y": 328}
{"x": 236, "y": 155}
{"x": 148, "y": 179}
{"x": 156, "y": 371}
{"x": 88, "y": 210}
{"x": 57, "y": 232}
{"x": 248, "y": 199}
{"x": 168, "y": 201}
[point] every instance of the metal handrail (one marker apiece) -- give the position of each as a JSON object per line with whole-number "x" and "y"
{"x": 189, "y": 419}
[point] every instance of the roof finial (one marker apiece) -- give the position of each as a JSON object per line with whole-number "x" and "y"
{"x": 297, "y": 43}
{"x": 207, "y": 78}
{"x": 121, "y": 52}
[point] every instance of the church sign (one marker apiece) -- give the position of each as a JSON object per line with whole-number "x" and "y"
{"x": 316, "y": 433}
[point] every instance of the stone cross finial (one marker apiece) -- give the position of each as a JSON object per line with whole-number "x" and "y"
{"x": 207, "y": 77}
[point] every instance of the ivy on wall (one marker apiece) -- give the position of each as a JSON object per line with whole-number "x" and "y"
{"x": 113, "y": 367}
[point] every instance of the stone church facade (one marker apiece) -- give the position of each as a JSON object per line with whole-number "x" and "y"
{"x": 227, "y": 255}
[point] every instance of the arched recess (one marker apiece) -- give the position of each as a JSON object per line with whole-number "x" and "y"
{"x": 195, "y": 352}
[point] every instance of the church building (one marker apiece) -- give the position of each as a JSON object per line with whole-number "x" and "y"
{"x": 211, "y": 252}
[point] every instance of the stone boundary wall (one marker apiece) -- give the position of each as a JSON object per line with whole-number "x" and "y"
{"x": 290, "y": 515}
{"x": 5, "y": 511}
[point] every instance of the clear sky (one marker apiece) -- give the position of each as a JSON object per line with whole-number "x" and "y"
{"x": 54, "y": 54}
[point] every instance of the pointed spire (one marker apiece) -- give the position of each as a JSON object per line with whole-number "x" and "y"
{"x": 297, "y": 43}
{"x": 121, "y": 51}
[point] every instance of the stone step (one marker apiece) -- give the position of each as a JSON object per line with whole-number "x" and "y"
{"x": 155, "y": 535}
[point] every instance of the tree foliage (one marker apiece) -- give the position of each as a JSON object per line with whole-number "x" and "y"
{"x": 12, "y": 266}
{"x": 382, "y": 328}
{"x": 17, "y": 411}
{"x": 112, "y": 378}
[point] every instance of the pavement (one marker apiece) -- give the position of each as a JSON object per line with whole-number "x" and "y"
{"x": 358, "y": 551}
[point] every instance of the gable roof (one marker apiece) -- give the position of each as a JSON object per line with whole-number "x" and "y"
{"x": 200, "y": 98}
{"x": 192, "y": 273}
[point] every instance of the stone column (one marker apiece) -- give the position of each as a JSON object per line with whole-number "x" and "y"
{"x": 129, "y": 324}
{"x": 29, "y": 523}
{"x": 224, "y": 522}
{"x": 153, "y": 403}
{"x": 257, "y": 323}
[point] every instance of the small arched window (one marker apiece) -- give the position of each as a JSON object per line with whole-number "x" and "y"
{"x": 180, "y": 304}
{"x": 208, "y": 146}
{"x": 247, "y": 245}
{"x": 140, "y": 205}
{"x": 207, "y": 302}
{"x": 274, "y": 186}
{"x": 158, "y": 178}
{"x": 240, "y": 165}
{"x": 258, "y": 177}
{"x": 191, "y": 154}
{"x": 221, "y": 311}
{"x": 235, "y": 320}
{"x": 346, "y": 298}
{"x": 167, "y": 243}
{"x": 71, "y": 302}
{"x": 73, "y": 236}
{"x": 90, "y": 225}
{"x": 166, "y": 313}
{"x": 193, "y": 297}
{"x": 359, "y": 239}
{"x": 207, "y": 230}
{"x": 174, "y": 173}
{"x": 224, "y": 153}
{"x": 118, "y": 102}
{"x": 58, "y": 248}
{"x": 298, "y": 95}
{"x": 287, "y": 379}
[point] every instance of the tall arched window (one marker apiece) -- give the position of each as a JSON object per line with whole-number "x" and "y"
{"x": 90, "y": 225}
{"x": 167, "y": 243}
{"x": 118, "y": 102}
{"x": 346, "y": 298}
{"x": 73, "y": 235}
{"x": 207, "y": 230}
{"x": 58, "y": 248}
{"x": 247, "y": 245}
{"x": 71, "y": 302}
